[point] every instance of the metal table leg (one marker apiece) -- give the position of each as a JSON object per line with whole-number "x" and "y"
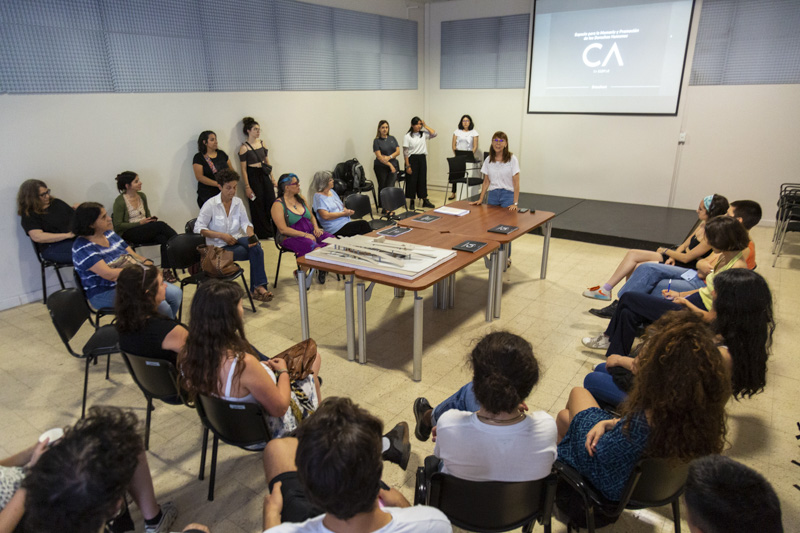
{"x": 436, "y": 290}
{"x": 301, "y": 283}
{"x": 498, "y": 288}
{"x": 362, "y": 322}
{"x": 350, "y": 315}
{"x": 492, "y": 284}
{"x": 399, "y": 293}
{"x": 451, "y": 293}
{"x": 548, "y": 227}
{"x": 417, "y": 372}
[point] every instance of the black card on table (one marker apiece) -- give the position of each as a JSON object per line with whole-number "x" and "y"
{"x": 393, "y": 231}
{"x": 469, "y": 246}
{"x": 503, "y": 229}
{"x": 426, "y": 218}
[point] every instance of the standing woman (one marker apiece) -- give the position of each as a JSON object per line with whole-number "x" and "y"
{"x": 132, "y": 220}
{"x": 46, "y": 220}
{"x": 500, "y": 175}
{"x": 415, "y": 150}
{"x": 465, "y": 142}
{"x": 386, "y": 151}
{"x": 259, "y": 185}
{"x": 206, "y": 163}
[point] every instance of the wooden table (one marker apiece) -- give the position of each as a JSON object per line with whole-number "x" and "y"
{"x": 442, "y": 277}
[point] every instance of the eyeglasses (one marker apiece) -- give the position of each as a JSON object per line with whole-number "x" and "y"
{"x": 498, "y": 140}
{"x": 294, "y": 182}
{"x": 45, "y": 193}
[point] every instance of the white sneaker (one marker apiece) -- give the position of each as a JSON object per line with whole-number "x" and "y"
{"x": 601, "y": 342}
{"x": 597, "y": 293}
{"x": 168, "y": 515}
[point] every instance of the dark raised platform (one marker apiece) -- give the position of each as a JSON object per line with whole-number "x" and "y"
{"x": 613, "y": 223}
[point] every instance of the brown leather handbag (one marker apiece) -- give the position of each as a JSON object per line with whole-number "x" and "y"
{"x": 216, "y": 262}
{"x": 299, "y": 359}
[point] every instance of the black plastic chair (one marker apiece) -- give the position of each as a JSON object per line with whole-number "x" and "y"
{"x": 156, "y": 378}
{"x": 653, "y": 483}
{"x": 189, "y": 228}
{"x": 183, "y": 253}
{"x": 98, "y": 313}
{"x": 392, "y": 199}
{"x": 361, "y": 207}
{"x": 458, "y": 174}
{"x": 486, "y": 505}
{"x": 281, "y": 251}
{"x": 46, "y": 263}
{"x": 69, "y": 311}
{"x": 237, "y": 424}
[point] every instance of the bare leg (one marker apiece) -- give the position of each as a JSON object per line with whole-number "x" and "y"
{"x": 315, "y": 369}
{"x": 279, "y": 457}
{"x": 579, "y": 400}
{"x": 630, "y": 262}
{"x": 141, "y": 488}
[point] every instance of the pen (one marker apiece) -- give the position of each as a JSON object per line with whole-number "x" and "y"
{"x": 669, "y": 285}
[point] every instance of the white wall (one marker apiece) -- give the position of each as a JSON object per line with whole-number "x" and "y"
{"x": 78, "y": 143}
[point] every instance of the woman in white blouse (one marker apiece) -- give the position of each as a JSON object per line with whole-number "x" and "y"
{"x": 465, "y": 142}
{"x": 415, "y": 150}
{"x": 500, "y": 175}
{"x": 223, "y": 222}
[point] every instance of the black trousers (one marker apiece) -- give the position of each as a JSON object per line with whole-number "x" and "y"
{"x": 354, "y": 227}
{"x": 417, "y": 181}
{"x": 157, "y": 231}
{"x": 384, "y": 175}
{"x": 265, "y": 197}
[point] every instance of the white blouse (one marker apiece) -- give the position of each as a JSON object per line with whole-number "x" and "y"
{"x": 417, "y": 144}
{"x": 465, "y": 140}
{"x": 501, "y": 175}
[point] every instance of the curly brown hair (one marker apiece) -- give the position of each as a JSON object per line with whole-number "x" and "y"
{"x": 682, "y": 385}
{"x": 216, "y": 329}
{"x": 137, "y": 286}
{"x": 504, "y": 371}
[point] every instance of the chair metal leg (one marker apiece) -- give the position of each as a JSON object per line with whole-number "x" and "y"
{"x": 85, "y": 386}
{"x": 108, "y": 364}
{"x": 676, "y": 514}
{"x": 203, "y": 455}
{"x": 44, "y": 286}
{"x": 60, "y": 279}
{"x": 590, "y": 518}
{"x": 249, "y": 296}
{"x": 213, "y": 474}
{"x": 277, "y": 270}
{"x": 147, "y": 424}
{"x": 374, "y": 196}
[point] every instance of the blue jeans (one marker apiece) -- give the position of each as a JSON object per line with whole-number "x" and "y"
{"x": 60, "y": 252}
{"x": 501, "y": 197}
{"x": 169, "y": 307}
{"x": 602, "y": 386}
{"x": 463, "y": 400}
{"x": 255, "y": 254}
{"x": 648, "y": 276}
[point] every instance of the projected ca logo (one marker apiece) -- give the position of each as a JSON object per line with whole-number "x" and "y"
{"x": 614, "y": 51}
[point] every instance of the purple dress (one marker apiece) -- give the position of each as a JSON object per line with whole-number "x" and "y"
{"x": 301, "y": 245}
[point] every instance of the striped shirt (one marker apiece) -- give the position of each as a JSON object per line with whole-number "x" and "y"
{"x": 86, "y": 254}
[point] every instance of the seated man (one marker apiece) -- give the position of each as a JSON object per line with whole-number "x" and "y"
{"x": 79, "y": 483}
{"x": 653, "y": 278}
{"x": 725, "y": 496}
{"x": 339, "y": 466}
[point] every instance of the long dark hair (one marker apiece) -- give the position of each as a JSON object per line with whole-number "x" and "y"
{"x": 283, "y": 180}
{"x": 471, "y": 123}
{"x": 137, "y": 286}
{"x": 745, "y": 321}
{"x": 726, "y": 234}
{"x": 202, "y": 140}
{"x": 28, "y": 197}
{"x": 414, "y": 122}
{"x": 504, "y": 371}
{"x": 216, "y": 330}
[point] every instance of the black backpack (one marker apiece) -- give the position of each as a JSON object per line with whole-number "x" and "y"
{"x": 351, "y": 173}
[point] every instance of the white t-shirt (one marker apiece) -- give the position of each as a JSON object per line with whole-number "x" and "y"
{"x": 417, "y": 144}
{"x": 465, "y": 140}
{"x": 419, "y": 518}
{"x": 501, "y": 174}
{"x": 519, "y": 452}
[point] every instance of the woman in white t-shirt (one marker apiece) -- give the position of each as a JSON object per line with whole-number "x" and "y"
{"x": 500, "y": 175}
{"x": 465, "y": 139}
{"x": 415, "y": 151}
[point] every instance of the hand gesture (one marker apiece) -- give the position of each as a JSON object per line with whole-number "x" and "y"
{"x": 317, "y": 232}
{"x": 662, "y": 250}
{"x": 683, "y": 301}
{"x": 273, "y": 502}
{"x": 229, "y": 239}
{"x": 613, "y": 360}
{"x": 670, "y": 295}
{"x": 38, "y": 450}
{"x": 349, "y": 212}
{"x": 512, "y": 208}
{"x": 433, "y": 434}
{"x": 391, "y": 168}
{"x": 408, "y": 169}
{"x": 593, "y": 437}
{"x": 669, "y": 261}
{"x": 476, "y": 202}
{"x": 276, "y": 363}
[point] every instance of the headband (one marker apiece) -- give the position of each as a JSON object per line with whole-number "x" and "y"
{"x": 707, "y": 202}
{"x": 287, "y": 177}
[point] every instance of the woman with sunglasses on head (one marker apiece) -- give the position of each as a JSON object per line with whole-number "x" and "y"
{"x": 47, "y": 221}
{"x": 208, "y": 160}
{"x": 259, "y": 185}
{"x": 500, "y": 175}
{"x": 297, "y": 227}
{"x": 98, "y": 256}
{"x": 415, "y": 151}
{"x": 465, "y": 142}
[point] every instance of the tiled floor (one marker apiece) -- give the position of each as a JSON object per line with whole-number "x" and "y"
{"x": 40, "y": 384}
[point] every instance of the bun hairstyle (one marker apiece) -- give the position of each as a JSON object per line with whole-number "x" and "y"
{"x": 504, "y": 371}
{"x": 248, "y": 123}
{"x": 716, "y": 206}
{"x": 124, "y": 179}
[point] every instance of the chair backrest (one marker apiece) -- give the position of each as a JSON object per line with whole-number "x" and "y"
{"x": 360, "y": 204}
{"x": 239, "y": 424}
{"x": 69, "y": 311}
{"x": 182, "y": 250}
{"x": 458, "y": 168}
{"x": 490, "y": 505}
{"x": 392, "y": 198}
{"x": 661, "y": 481}
{"x": 38, "y": 251}
{"x": 189, "y": 228}
{"x": 156, "y": 377}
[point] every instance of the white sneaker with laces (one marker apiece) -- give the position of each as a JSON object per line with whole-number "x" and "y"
{"x": 600, "y": 342}
{"x": 168, "y": 515}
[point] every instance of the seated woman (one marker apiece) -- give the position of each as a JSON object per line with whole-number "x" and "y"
{"x": 142, "y": 330}
{"x": 676, "y": 409}
{"x": 505, "y": 444}
{"x": 132, "y": 220}
{"x": 98, "y": 256}
{"x": 685, "y": 255}
{"x": 331, "y": 211}
{"x": 47, "y": 221}
{"x": 218, "y": 361}
{"x": 727, "y": 237}
{"x": 742, "y": 304}
{"x": 297, "y": 227}
{"x": 223, "y": 222}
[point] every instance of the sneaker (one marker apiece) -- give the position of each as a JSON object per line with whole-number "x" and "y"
{"x": 606, "y": 312}
{"x": 422, "y": 431}
{"x": 399, "y": 448}
{"x": 168, "y": 515}
{"x": 427, "y": 203}
{"x": 597, "y": 293}
{"x": 601, "y": 342}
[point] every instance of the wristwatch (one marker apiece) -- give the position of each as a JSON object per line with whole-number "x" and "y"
{"x": 279, "y": 372}
{"x": 516, "y": 203}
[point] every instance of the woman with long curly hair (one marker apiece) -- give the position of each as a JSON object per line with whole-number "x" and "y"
{"x": 676, "y": 409}
{"x": 217, "y": 360}
{"x": 743, "y": 326}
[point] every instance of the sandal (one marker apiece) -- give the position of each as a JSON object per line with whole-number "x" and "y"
{"x": 262, "y": 296}
{"x": 168, "y": 276}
